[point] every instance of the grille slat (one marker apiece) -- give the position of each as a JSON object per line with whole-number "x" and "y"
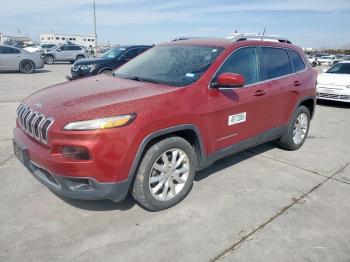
{"x": 333, "y": 96}
{"x": 34, "y": 123}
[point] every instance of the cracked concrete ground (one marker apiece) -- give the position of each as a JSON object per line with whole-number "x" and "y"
{"x": 264, "y": 204}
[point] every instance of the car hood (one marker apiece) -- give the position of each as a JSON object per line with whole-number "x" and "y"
{"x": 89, "y": 61}
{"x": 334, "y": 79}
{"x": 95, "y": 97}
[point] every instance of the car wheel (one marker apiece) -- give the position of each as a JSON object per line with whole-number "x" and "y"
{"x": 314, "y": 64}
{"x": 107, "y": 72}
{"x": 165, "y": 175}
{"x": 49, "y": 59}
{"x": 27, "y": 67}
{"x": 79, "y": 57}
{"x": 297, "y": 130}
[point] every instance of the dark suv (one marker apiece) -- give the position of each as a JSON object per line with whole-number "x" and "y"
{"x": 109, "y": 61}
{"x": 166, "y": 114}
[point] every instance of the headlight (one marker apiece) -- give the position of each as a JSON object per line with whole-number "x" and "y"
{"x": 101, "y": 123}
{"x": 88, "y": 67}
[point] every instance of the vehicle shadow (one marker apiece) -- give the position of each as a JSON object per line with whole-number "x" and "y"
{"x": 233, "y": 160}
{"x": 330, "y": 103}
{"x": 100, "y": 205}
{"x": 37, "y": 71}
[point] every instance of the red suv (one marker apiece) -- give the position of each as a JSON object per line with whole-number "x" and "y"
{"x": 170, "y": 112}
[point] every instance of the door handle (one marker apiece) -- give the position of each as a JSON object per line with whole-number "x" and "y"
{"x": 259, "y": 93}
{"x": 297, "y": 83}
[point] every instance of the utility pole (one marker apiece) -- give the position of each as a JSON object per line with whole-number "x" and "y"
{"x": 95, "y": 28}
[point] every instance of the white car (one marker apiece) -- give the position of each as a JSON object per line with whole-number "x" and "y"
{"x": 38, "y": 48}
{"x": 334, "y": 84}
{"x": 327, "y": 60}
{"x": 13, "y": 58}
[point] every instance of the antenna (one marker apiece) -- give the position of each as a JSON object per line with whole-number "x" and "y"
{"x": 262, "y": 37}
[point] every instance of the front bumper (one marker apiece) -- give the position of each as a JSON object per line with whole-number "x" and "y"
{"x": 333, "y": 94}
{"x": 76, "y": 74}
{"x": 85, "y": 188}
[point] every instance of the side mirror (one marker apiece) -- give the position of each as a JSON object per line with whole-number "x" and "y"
{"x": 59, "y": 50}
{"x": 229, "y": 81}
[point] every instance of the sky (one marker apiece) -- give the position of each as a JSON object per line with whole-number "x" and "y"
{"x": 308, "y": 23}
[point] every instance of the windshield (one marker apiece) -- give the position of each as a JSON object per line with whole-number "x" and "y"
{"x": 114, "y": 52}
{"x": 341, "y": 68}
{"x": 176, "y": 65}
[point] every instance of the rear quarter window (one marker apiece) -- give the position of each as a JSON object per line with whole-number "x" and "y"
{"x": 274, "y": 63}
{"x": 296, "y": 61}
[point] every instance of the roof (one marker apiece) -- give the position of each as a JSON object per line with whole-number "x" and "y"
{"x": 209, "y": 41}
{"x": 226, "y": 42}
{"x": 130, "y": 46}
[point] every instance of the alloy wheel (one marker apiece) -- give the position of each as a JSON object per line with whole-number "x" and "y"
{"x": 169, "y": 174}
{"x": 300, "y": 128}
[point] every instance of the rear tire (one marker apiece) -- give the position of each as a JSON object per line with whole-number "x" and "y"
{"x": 26, "y": 67}
{"x": 297, "y": 130}
{"x": 79, "y": 57}
{"x": 49, "y": 60}
{"x": 165, "y": 175}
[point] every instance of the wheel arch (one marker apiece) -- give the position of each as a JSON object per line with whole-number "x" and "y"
{"x": 309, "y": 103}
{"x": 103, "y": 69}
{"x": 189, "y": 132}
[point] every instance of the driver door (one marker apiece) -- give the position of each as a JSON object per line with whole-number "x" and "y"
{"x": 237, "y": 114}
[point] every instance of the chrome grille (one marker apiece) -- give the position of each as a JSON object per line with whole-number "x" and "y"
{"x": 333, "y": 96}
{"x": 34, "y": 123}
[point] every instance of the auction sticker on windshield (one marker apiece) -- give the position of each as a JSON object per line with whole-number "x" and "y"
{"x": 237, "y": 118}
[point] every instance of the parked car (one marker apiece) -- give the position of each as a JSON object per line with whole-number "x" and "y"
{"x": 39, "y": 48}
{"x": 334, "y": 84}
{"x": 67, "y": 53}
{"x": 327, "y": 60}
{"x": 313, "y": 60}
{"x": 169, "y": 112}
{"x": 109, "y": 61}
{"x": 13, "y": 58}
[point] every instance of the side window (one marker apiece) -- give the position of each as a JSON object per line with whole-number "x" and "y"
{"x": 9, "y": 50}
{"x": 297, "y": 62}
{"x": 131, "y": 54}
{"x": 243, "y": 61}
{"x": 274, "y": 63}
{"x": 76, "y": 48}
{"x": 63, "y": 48}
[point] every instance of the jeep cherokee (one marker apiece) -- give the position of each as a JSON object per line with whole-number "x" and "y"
{"x": 164, "y": 115}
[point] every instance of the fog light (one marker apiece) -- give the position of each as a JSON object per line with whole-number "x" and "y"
{"x": 76, "y": 152}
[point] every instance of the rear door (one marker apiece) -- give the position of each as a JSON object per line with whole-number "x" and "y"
{"x": 278, "y": 75}
{"x": 9, "y": 58}
{"x": 238, "y": 114}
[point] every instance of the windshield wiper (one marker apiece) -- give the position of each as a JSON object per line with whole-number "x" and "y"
{"x": 141, "y": 79}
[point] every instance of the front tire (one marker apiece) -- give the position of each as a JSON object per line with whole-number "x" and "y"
{"x": 107, "y": 72}
{"x": 165, "y": 175}
{"x": 297, "y": 130}
{"x": 26, "y": 67}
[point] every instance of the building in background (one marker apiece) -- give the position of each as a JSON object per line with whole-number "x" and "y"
{"x": 14, "y": 40}
{"x": 82, "y": 40}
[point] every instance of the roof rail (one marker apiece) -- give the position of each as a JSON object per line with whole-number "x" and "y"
{"x": 235, "y": 37}
{"x": 189, "y": 38}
